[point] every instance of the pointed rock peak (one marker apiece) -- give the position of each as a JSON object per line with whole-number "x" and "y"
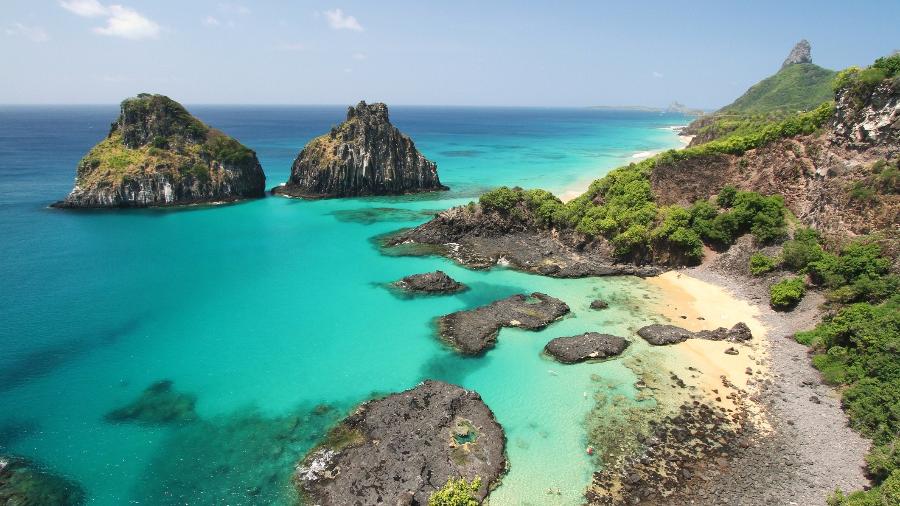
{"x": 374, "y": 112}
{"x": 802, "y": 53}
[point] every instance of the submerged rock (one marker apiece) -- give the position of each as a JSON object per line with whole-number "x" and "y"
{"x": 22, "y": 483}
{"x": 661, "y": 335}
{"x": 364, "y": 155}
{"x": 159, "y": 404}
{"x": 599, "y": 304}
{"x": 473, "y": 331}
{"x": 401, "y": 448}
{"x": 430, "y": 282}
{"x": 587, "y": 346}
{"x": 157, "y": 154}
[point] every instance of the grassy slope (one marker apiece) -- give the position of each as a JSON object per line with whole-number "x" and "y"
{"x": 798, "y": 87}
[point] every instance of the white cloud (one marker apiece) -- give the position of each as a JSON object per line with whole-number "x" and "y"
{"x": 211, "y": 21}
{"x": 32, "y": 33}
{"x": 340, "y": 21}
{"x": 230, "y": 8}
{"x": 85, "y": 8}
{"x": 128, "y": 24}
{"x": 359, "y": 56}
{"x": 656, "y": 75}
{"x": 121, "y": 21}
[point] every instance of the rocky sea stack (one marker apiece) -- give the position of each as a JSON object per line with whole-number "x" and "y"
{"x": 158, "y": 154}
{"x": 400, "y": 449}
{"x": 364, "y": 155}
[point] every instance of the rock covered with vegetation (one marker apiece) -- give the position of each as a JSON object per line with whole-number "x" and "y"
{"x": 403, "y": 448}
{"x": 23, "y": 483}
{"x": 587, "y": 346}
{"x": 158, "y": 154}
{"x": 474, "y": 331}
{"x": 364, "y": 155}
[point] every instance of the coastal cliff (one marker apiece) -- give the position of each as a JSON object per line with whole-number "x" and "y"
{"x": 158, "y": 154}
{"x": 364, "y": 155}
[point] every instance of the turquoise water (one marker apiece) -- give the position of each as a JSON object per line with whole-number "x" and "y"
{"x": 266, "y": 309}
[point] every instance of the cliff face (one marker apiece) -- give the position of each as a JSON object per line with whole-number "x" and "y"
{"x": 364, "y": 155}
{"x": 836, "y": 181}
{"x": 157, "y": 154}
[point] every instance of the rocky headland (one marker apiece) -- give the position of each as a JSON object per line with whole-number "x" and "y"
{"x": 474, "y": 331}
{"x": 399, "y": 449}
{"x": 364, "y": 155}
{"x": 584, "y": 347}
{"x": 23, "y": 483}
{"x": 431, "y": 283}
{"x": 157, "y": 154}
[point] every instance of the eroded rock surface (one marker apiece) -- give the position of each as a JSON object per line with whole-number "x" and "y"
{"x": 587, "y": 346}
{"x": 400, "y": 449}
{"x": 474, "y": 331}
{"x": 364, "y": 155}
{"x": 662, "y": 335}
{"x": 801, "y": 53}
{"x": 437, "y": 282}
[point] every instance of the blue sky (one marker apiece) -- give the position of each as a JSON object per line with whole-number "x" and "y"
{"x": 459, "y": 52}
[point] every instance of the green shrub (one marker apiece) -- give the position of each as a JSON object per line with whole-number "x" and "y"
{"x": 456, "y": 492}
{"x": 761, "y": 263}
{"x": 501, "y": 199}
{"x": 726, "y": 196}
{"x": 786, "y": 293}
{"x": 858, "y": 273}
{"x": 889, "y": 64}
{"x": 802, "y": 250}
{"x": 883, "y": 459}
{"x": 160, "y": 142}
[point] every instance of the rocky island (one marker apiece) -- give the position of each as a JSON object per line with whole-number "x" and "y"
{"x": 400, "y": 449}
{"x": 437, "y": 282}
{"x": 587, "y": 346}
{"x": 158, "y": 154}
{"x": 364, "y": 155}
{"x": 474, "y": 331}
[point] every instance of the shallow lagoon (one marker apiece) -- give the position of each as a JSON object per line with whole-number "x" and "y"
{"x": 268, "y": 310}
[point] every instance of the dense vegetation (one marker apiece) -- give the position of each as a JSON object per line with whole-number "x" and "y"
{"x": 786, "y": 293}
{"x": 456, "y": 492}
{"x": 859, "y": 83}
{"x": 799, "y": 87}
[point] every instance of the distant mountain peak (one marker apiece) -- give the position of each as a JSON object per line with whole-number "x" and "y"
{"x": 801, "y": 53}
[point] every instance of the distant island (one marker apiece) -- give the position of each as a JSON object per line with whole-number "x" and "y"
{"x": 674, "y": 107}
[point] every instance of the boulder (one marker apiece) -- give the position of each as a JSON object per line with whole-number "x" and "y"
{"x": 437, "y": 282}
{"x": 587, "y": 346}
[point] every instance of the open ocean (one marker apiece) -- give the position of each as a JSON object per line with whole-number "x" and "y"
{"x": 274, "y": 312}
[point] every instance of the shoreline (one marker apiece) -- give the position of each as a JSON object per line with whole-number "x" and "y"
{"x": 576, "y": 189}
{"x": 797, "y": 446}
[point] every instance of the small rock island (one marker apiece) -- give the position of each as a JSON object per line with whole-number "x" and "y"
{"x": 584, "y": 347}
{"x": 157, "y": 154}
{"x": 431, "y": 283}
{"x": 364, "y": 155}
{"x": 403, "y": 447}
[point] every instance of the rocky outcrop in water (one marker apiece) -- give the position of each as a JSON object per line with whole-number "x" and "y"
{"x": 661, "y": 335}
{"x": 437, "y": 282}
{"x": 587, "y": 346}
{"x": 364, "y": 155}
{"x": 801, "y": 53}
{"x": 22, "y": 483}
{"x": 400, "y": 449}
{"x": 159, "y": 404}
{"x": 157, "y": 154}
{"x": 474, "y": 331}
{"x": 480, "y": 238}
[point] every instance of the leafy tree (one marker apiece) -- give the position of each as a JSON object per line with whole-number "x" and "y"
{"x": 726, "y": 196}
{"x": 761, "y": 263}
{"x": 786, "y": 293}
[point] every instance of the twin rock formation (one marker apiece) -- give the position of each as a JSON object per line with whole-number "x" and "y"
{"x": 157, "y": 154}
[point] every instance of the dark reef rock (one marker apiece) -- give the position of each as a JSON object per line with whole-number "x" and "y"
{"x": 599, "y": 304}
{"x": 480, "y": 238}
{"x": 159, "y": 404}
{"x": 401, "y": 448}
{"x": 364, "y": 155}
{"x": 662, "y": 335}
{"x": 587, "y": 346}
{"x": 474, "y": 331}
{"x": 801, "y": 53}
{"x": 437, "y": 282}
{"x": 157, "y": 154}
{"x": 22, "y": 483}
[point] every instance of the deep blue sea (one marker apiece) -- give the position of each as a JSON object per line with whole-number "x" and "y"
{"x": 271, "y": 309}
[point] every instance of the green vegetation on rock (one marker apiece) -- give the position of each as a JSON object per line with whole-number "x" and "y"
{"x": 456, "y": 492}
{"x": 799, "y": 87}
{"x": 761, "y": 263}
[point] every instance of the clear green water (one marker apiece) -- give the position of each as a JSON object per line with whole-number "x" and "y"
{"x": 269, "y": 308}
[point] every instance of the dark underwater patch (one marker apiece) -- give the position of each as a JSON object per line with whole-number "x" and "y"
{"x": 158, "y": 404}
{"x": 372, "y": 215}
{"x": 462, "y": 153}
